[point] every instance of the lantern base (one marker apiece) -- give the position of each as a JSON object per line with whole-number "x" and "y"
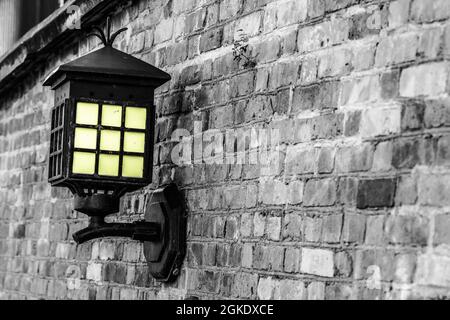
{"x": 97, "y": 205}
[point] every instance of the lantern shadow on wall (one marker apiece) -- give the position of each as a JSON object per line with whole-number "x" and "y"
{"x": 101, "y": 146}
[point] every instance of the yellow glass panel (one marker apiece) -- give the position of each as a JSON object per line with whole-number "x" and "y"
{"x": 83, "y": 163}
{"x": 135, "y": 118}
{"x": 112, "y": 115}
{"x": 110, "y": 140}
{"x": 108, "y": 165}
{"x": 85, "y": 138}
{"x": 133, "y": 167}
{"x": 87, "y": 113}
{"x": 134, "y": 142}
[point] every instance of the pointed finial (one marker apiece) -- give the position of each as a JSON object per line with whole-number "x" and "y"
{"x": 109, "y": 38}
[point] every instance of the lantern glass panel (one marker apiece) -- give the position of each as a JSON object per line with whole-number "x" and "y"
{"x": 133, "y": 167}
{"x": 85, "y": 138}
{"x": 110, "y": 140}
{"x": 87, "y": 113}
{"x": 134, "y": 142}
{"x": 108, "y": 165}
{"x": 112, "y": 115}
{"x": 83, "y": 163}
{"x": 135, "y": 118}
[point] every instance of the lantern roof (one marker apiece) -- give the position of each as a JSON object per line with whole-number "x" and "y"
{"x": 113, "y": 63}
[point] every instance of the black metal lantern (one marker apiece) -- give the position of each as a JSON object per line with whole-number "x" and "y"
{"x": 102, "y": 134}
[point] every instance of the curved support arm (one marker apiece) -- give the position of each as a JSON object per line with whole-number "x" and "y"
{"x": 139, "y": 230}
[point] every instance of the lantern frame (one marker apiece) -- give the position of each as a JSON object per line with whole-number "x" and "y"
{"x": 78, "y": 182}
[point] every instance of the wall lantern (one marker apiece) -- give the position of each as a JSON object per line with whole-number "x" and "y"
{"x": 102, "y": 135}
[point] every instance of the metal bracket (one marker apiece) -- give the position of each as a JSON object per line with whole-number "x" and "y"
{"x": 163, "y": 231}
{"x": 165, "y": 256}
{"x": 139, "y": 230}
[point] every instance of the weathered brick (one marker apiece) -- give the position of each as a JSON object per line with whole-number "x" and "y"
{"x": 347, "y": 190}
{"x": 273, "y": 228}
{"x": 268, "y": 258}
{"x": 397, "y": 49}
{"x": 376, "y": 193}
{"x": 380, "y": 121}
{"x": 412, "y": 116}
{"x": 312, "y": 228}
{"x": 259, "y": 223}
{"x": 245, "y": 285}
{"x": 268, "y": 50}
{"x": 164, "y": 31}
{"x": 367, "y": 23}
{"x": 316, "y": 291}
{"x": 94, "y": 272}
{"x": 331, "y": 228}
{"x": 382, "y": 157}
{"x": 229, "y": 9}
{"x": 283, "y": 101}
{"x": 333, "y": 5}
{"x": 407, "y": 229}
{"x": 292, "y": 260}
{"x": 299, "y": 160}
{"x": 289, "y": 42}
{"x": 398, "y": 13}
{"x": 327, "y": 126}
{"x": 308, "y": 70}
{"x": 211, "y": 40}
{"x": 321, "y": 96}
{"x": 447, "y": 40}
{"x": 352, "y": 123}
{"x": 318, "y": 262}
{"x": 291, "y": 290}
{"x": 320, "y": 193}
{"x": 443, "y": 150}
{"x": 249, "y": 24}
{"x": 354, "y": 158}
{"x": 343, "y": 264}
{"x": 247, "y": 255}
{"x": 292, "y": 226}
{"x": 427, "y": 79}
{"x": 430, "y": 43}
{"x": 432, "y": 270}
{"x": 322, "y": 35}
{"x": 266, "y": 288}
{"x": 361, "y": 90}
{"x": 291, "y": 11}
{"x": 325, "y": 161}
{"x": 259, "y": 107}
{"x": 405, "y": 265}
{"x": 433, "y": 189}
{"x": 335, "y": 62}
{"x": 437, "y": 113}
{"x": 242, "y": 84}
{"x": 424, "y": 11}
{"x": 442, "y": 222}
{"x": 273, "y": 192}
{"x": 375, "y": 264}
{"x": 408, "y": 153}
{"x": 406, "y": 190}
{"x": 283, "y": 74}
{"x": 354, "y": 228}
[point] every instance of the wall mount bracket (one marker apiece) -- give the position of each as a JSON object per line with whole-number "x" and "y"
{"x": 163, "y": 230}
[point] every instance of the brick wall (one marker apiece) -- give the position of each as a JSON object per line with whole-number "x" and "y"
{"x": 355, "y": 204}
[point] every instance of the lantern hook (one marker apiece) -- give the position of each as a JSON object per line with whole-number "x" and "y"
{"x": 108, "y": 38}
